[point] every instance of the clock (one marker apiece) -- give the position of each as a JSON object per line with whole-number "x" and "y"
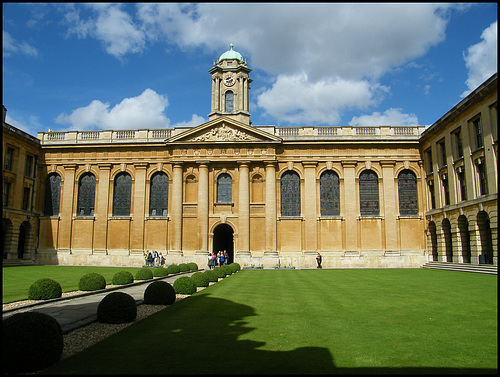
{"x": 229, "y": 80}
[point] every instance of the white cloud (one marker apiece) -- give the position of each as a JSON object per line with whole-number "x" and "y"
{"x": 196, "y": 120}
{"x": 481, "y": 59}
{"x": 11, "y": 46}
{"x": 391, "y": 117}
{"x": 143, "y": 111}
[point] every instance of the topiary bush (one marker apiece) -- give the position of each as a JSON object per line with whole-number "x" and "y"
{"x": 227, "y": 270}
{"x": 159, "y": 293}
{"x": 184, "y": 286}
{"x": 219, "y": 272}
{"x": 117, "y": 307}
{"x": 123, "y": 277}
{"x": 200, "y": 279}
{"x": 192, "y": 266}
{"x": 144, "y": 274}
{"x": 184, "y": 267}
{"x": 173, "y": 269}
{"x": 235, "y": 267}
{"x": 211, "y": 275}
{"x": 159, "y": 272}
{"x": 44, "y": 289}
{"x": 92, "y": 282}
{"x": 31, "y": 341}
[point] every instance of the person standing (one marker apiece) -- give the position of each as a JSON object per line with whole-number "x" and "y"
{"x": 226, "y": 257}
{"x": 318, "y": 259}
{"x": 221, "y": 258}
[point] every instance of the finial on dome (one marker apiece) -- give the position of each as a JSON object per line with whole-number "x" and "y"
{"x": 231, "y": 46}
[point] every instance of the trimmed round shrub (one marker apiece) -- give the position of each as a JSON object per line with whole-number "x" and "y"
{"x": 192, "y": 266}
{"x": 211, "y": 275}
{"x": 200, "y": 279}
{"x": 219, "y": 272}
{"x": 159, "y": 293}
{"x": 184, "y": 267}
{"x": 117, "y": 307}
{"x": 159, "y": 272}
{"x": 44, "y": 289}
{"x": 235, "y": 267}
{"x": 173, "y": 269}
{"x": 227, "y": 270}
{"x": 123, "y": 277}
{"x": 31, "y": 341}
{"x": 144, "y": 274}
{"x": 184, "y": 286}
{"x": 92, "y": 282}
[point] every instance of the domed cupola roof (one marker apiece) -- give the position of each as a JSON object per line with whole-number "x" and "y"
{"x": 231, "y": 55}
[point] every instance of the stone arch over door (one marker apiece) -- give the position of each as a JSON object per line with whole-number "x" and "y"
{"x": 485, "y": 241}
{"x": 448, "y": 246}
{"x": 23, "y": 240}
{"x": 223, "y": 240}
{"x": 464, "y": 236}
{"x": 6, "y": 237}
{"x": 433, "y": 236}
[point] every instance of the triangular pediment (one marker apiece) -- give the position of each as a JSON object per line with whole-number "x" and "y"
{"x": 224, "y": 130}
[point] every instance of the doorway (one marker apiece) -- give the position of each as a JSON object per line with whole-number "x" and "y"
{"x": 223, "y": 240}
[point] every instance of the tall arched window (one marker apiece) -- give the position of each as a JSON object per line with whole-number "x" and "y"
{"x": 329, "y": 194}
{"x": 122, "y": 194}
{"x": 86, "y": 195}
{"x": 158, "y": 198}
{"x": 407, "y": 189}
{"x": 52, "y": 195}
{"x": 224, "y": 188}
{"x": 229, "y": 101}
{"x": 290, "y": 194}
{"x": 368, "y": 193}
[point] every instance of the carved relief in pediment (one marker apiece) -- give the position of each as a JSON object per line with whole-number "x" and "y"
{"x": 224, "y": 133}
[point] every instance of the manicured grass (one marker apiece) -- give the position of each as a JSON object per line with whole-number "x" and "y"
{"x": 313, "y": 321}
{"x": 16, "y": 280}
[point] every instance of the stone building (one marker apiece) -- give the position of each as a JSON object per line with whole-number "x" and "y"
{"x": 268, "y": 195}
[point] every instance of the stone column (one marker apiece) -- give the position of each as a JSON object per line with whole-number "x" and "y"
{"x": 310, "y": 210}
{"x": 101, "y": 221}
{"x": 244, "y": 207}
{"x": 138, "y": 218}
{"x": 203, "y": 205}
{"x": 67, "y": 200}
{"x": 270, "y": 206}
{"x": 350, "y": 208}
{"x": 390, "y": 211}
{"x": 176, "y": 201}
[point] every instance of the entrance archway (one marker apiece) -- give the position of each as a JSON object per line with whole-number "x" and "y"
{"x": 463, "y": 227}
{"x": 447, "y": 240}
{"x": 434, "y": 248}
{"x": 223, "y": 240}
{"x": 23, "y": 236}
{"x": 483, "y": 223}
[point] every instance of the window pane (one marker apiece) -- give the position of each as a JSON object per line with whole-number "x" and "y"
{"x": 158, "y": 205}
{"x": 121, "y": 197}
{"x": 52, "y": 195}
{"x": 224, "y": 188}
{"x": 368, "y": 193}
{"x": 86, "y": 195}
{"x": 290, "y": 194}
{"x": 329, "y": 194}
{"x": 229, "y": 102}
{"x": 407, "y": 188}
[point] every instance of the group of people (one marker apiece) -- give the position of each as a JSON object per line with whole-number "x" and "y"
{"x": 217, "y": 260}
{"x": 153, "y": 258}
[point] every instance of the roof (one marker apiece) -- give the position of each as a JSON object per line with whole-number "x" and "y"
{"x": 231, "y": 54}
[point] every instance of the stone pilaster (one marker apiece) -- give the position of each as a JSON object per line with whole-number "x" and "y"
{"x": 310, "y": 210}
{"x": 390, "y": 212}
{"x": 67, "y": 200}
{"x": 351, "y": 210}
{"x": 270, "y": 206}
{"x": 244, "y": 207}
{"x": 101, "y": 222}
{"x": 203, "y": 205}
{"x": 137, "y": 231}
{"x": 176, "y": 205}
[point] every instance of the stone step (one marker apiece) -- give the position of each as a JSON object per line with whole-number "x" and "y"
{"x": 17, "y": 262}
{"x": 481, "y": 268}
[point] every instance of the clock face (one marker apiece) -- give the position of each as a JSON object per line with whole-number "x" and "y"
{"x": 229, "y": 80}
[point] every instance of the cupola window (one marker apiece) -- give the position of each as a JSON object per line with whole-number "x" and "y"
{"x": 229, "y": 101}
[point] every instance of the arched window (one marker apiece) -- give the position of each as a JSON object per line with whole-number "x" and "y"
{"x": 229, "y": 101}
{"x": 329, "y": 194}
{"x": 122, "y": 194}
{"x": 290, "y": 194}
{"x": 86, "y": 195}
{"x": 224, "y": 188}
{"x": 368, "y": 193}
{"x": 158, "y": 198}
{"x": 52, "y": 195}
{"x": 407, "y": 189}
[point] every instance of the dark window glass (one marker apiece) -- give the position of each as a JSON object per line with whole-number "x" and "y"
{"x": 26, "y": 198}
{"x": 430, "y": 165}
{"x": 6, "y": 193}
{"x": 446, "y": 189}
{"x": 329, "y": 194}
{"x": 483, "y": 184}
{"x": 290, "y": 194}
{"x": 478, "y": 133}
{"x": 158, "y": 205}
{"x": 229, "y": 102}
{"x": 458, "y": 144}
{"x": 9, "y": 156}
{"x": 368, "y": 193}
{"x": 407, "y": 189}
{"x": 86, "y": 195}
{"x": 433, "y": 195}
{"x": 122, "y": 194}
{"x": 52, "y": 195}
{"x": 442, "y": 151}
{"x": 463, "y": 186}
{"x": 224, "y": 189}
{"x": 29, "y": 166}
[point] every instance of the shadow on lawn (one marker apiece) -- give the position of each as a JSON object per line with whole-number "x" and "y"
{"x": 200, "y": 335}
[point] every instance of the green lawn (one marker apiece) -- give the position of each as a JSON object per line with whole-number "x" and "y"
{"x": 313, "y": 321}
{"x": 16, "y": 280}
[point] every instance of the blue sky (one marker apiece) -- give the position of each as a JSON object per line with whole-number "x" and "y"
{"x": 134, "y": 66}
